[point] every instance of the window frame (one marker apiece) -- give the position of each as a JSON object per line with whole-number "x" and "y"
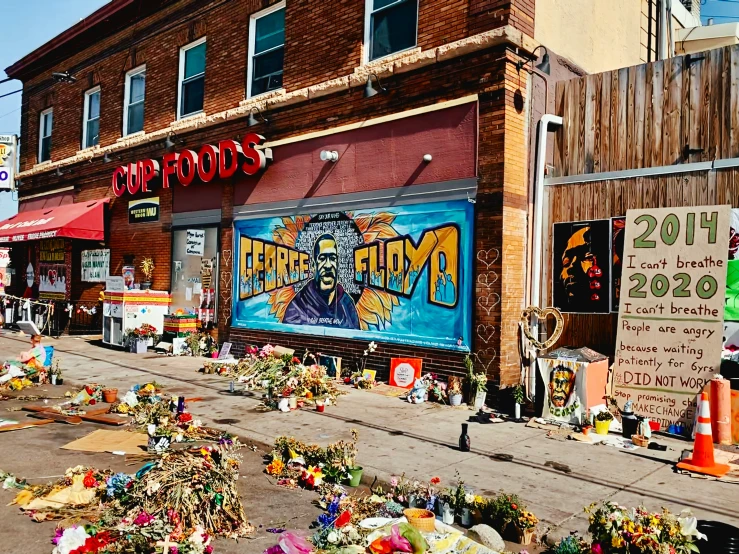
{"x": 252, "y": 45}
{"x": 369, "y": 11}
{"x": 127, "y": 96}
{"x": 41, "y": 137}
{"x": 181, "y": 80}
{"x": 86, "y": 113}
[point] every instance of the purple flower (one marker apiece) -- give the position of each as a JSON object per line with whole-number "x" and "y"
{"x": 143, "y": 519}
{"x": 57, "y": 535}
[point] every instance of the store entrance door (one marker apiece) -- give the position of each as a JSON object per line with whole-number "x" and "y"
{"x": 195, "y": 273}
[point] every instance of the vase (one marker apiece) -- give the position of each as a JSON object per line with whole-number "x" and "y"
{"x": 447, "y": 513}
{"x": 455, "y": 399}
{"x": 525, "y": 536}
{"x": 53, "y": 379}
{"x": 146, "y": 285}
{"x": 139, "y": 346}
{"x": 320, "y": 406}
{"x": 464, "y": 517}
{"x": 480, "y": 399}
{"x": 283, "y": 404}
{"x": 293, "y": 402}
{"x": 601, "y": 427}
{"x": 355, "y": 476}
{"x": 412, "y": 500}
{"x": 110, "y": 395}
{"x": 517, "y": 411}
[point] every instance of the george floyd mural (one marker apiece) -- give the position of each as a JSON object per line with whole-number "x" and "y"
{"x": 397, "y": 274}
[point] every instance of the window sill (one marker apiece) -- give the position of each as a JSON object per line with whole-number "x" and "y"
{"x": 256, "y": 98}
{"x": 43, "y": 164}
{"x": 368, "y": 66}
{"x": 131, "y": 135}
{"x": 188, "y": 120}
{"x": 88, "y": 150}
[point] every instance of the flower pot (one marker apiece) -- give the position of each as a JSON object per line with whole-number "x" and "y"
{"x": 110, "y": 395}
{"x": 465, "y": 520}
{"x": 293, "y": 402}
{"x": 601, "y": 427}
{"x": 517, "y": 410}
{"x": 139, "y": 346}
{"x": 146, "y": 285}
{"x": 525, "y": 536}
{"x": 479, "y": 399}
{"x": 455, "y": 399}
{"x": 214, "y": 355}
{"x": 59, "y": 381}
{"x": 283, "y": 404}
{"x": 355, "y": 476}
{"x": 53, "y": 379}
{"x": 447, "y": 513}
{"x": 320, "y": 406}
{"x": 586, "y": 430}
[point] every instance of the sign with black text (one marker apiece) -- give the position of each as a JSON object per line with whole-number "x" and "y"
{"x": 195, "y": 242}
{"x": 145, "y": 210}
{"x": 95, "y": 265}
{"x": 671, "y": 310}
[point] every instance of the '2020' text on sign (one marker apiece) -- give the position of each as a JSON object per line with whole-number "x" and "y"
{"x": 670, "y": 318}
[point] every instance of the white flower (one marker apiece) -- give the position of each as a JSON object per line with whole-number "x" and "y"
{"x": 469, "y": 498}
{"x": 151, "y": 429}
{"x": 333, "y": 537}
{"x": 689, "y": 527}
{"x": 71, "y": 539}
{"x": 179, "y": 438}
{"x": 372, "y": 346}
{"x": 152, "y": 487}
{"x": 365, "y": 352}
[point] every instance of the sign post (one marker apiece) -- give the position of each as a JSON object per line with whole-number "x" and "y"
{"x": 670, "y": 318}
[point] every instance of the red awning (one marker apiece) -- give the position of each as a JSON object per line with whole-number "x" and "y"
{"x": 84, "y": 220}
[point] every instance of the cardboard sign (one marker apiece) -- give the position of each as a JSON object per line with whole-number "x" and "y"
{"x": 225, "y": 351}
{"x": 114, "y": 283}
{"x": 195, "y": 245}
{"x": 670, "y": 318}
{"x": 95, "y": 265}
{"x": 404, "y": 372}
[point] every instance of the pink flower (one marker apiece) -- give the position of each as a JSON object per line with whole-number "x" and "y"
{"x": 596, "y": 549}
{"x": 394, "y": 482}
{"x": 143, "y": 519}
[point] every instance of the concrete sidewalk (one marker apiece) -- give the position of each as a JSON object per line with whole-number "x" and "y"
{"x": 556, "y": 479}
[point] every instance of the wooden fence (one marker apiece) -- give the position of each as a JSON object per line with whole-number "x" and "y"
{"x": 669, "y": 112}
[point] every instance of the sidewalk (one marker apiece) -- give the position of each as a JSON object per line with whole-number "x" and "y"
{"x": 556, "y": 479}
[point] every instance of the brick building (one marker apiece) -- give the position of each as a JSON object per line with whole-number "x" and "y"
{"x": 388, "y": 201}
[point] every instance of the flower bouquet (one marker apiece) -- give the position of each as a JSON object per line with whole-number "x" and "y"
{"x": 526, "y": 525}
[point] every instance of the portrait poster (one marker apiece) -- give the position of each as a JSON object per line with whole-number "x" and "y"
{"x": 618, "y": 228}
{"x": 398, "y": 274}
{"x": 564, "y": 387}
{"x": 404, "y": 372}
{"x": 671, "y": 315}
{"x": 582, "y": 266}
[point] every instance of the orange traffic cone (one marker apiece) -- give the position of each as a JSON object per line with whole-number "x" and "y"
{"x": 702, "y": 460}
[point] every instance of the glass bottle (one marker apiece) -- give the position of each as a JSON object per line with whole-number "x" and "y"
{"x": 464, "y": 439}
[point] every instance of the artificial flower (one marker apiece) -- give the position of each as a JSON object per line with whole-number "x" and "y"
{"x": 276, "y": 467}
{"x": 343, "y": 519}
{"x": 435, "y": 480}
{"x": 71, "y": 539}
{"x": 89, "y": 481}
{"x": 143, "y": 519}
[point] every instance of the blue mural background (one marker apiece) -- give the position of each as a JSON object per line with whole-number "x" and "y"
{"x": 411, "y": 320}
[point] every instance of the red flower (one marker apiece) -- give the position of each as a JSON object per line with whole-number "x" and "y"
{"x": 343, "y": 519}
{"x": 184, "y": 417}
{"x": 514, "y": 506}
{"x": 435, "y": 480}
{"x": 89, "y": 480}
{"x": 296, "y": 360}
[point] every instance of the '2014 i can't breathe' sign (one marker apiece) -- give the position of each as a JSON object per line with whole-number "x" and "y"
{"x": 670, "y": 318}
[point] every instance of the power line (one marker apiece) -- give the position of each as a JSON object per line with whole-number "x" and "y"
{"x": 11, "y": 93}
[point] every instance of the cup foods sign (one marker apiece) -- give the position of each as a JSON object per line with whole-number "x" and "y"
{"x": 211, "y": 161}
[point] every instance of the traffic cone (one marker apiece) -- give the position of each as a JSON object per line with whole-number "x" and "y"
{"x": 702, "y": 460}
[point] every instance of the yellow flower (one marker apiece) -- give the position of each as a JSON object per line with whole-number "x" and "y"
{"x": 617, "y": 541}
{"x": 276, "y": 467}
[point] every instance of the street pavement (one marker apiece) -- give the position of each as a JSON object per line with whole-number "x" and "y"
{"x": 556, "y": 479}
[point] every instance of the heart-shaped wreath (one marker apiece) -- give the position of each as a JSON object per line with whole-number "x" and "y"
{"x": 542, "y": 315}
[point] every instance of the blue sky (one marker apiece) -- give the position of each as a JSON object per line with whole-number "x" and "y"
{"x": 26, "y": 25}
{"x": 722, "y": 11}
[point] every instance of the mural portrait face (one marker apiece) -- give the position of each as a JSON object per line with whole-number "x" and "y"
{"x": 561, "y": 385}
{"x": 326, "y": 264}
{"x": 577, "y": 260}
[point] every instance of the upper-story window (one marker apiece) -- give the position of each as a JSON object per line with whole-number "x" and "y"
{"x": 391, "y": 26}
{"x": 46, "y": 122}
{"x": 266, "y": 49}
{"x": 192, "y": 79}
{"x": 91, "y": 121}
{"x": 133, "y": 101}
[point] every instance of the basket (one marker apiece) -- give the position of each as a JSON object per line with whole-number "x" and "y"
{"x": 640, "y": 440}
{"x": 423, "y": 520}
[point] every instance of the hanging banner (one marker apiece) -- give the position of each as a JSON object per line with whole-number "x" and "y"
{"x": 95, "y": 265}
{"x": 8, "y": 153}
{"x": 671, "y": 314}
{"x": 398, "y": 274}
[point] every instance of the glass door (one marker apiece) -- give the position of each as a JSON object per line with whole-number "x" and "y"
{"x": 195, "y": 273}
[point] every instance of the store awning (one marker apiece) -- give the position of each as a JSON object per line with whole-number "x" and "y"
{"x": 84, "y": 220}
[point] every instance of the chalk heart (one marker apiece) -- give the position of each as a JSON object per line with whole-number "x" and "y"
{"x": 488, "y": 257}
{"x": 487, "y": 280}
{"x": 542, "y": 315}
{"x": 489, "y": 302}
{"x": 486, "y": 332}
{"x": 486, "y": 357}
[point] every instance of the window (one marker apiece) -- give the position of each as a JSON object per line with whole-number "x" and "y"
{"x": 192, "y": 79}
{"x": 266, "y": 49}
{"x": 46, "y": 122}
{"x": 391, "y": 26}
{"x": 91, "y": 121}
{"x": 133, "y": 101}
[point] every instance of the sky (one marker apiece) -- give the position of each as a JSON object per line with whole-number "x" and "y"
{"x": 722, "y": 11}
{"x": 26, "y": 25}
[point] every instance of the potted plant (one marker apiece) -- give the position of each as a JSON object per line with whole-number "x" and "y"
{"x": 480, "y": 387}
{"x": 504, "y": 510}
{"x": 445, "y": 506}
{"x": 56, "y": 374}
{"x": 454, "y": 389}
{"x": 526, "y": 525}
{"x": 349, "y": 460}
{"x": 463, "y": 503}
{"x": 603, "y": 422}
{"x": 147, "y": 268}
{"x": 518, "y": 400}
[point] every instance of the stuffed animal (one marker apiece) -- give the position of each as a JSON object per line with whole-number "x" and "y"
{"x": 418, "y": 392}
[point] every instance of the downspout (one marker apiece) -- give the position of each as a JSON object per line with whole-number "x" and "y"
{"x": 541, "y": 158}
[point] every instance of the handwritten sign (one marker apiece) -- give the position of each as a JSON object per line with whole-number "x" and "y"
{"x": 670, "y": 318}
{"x": 195, "y": 242}
{"x": 95, "y": 265}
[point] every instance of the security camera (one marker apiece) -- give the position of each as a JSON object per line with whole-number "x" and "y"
{"x": 63, "y": 77}
{"x": 329, "y": 156}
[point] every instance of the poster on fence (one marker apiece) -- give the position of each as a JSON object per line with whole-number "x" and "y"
{"x": 670, "y": 319}
{"x": 95, "y": 265}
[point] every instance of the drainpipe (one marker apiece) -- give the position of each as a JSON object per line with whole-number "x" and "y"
{"x": 541, "y": 158}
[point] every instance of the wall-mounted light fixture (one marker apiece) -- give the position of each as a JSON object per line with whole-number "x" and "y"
{"x": 107, "y": 159}
{"x": 169, "y": 143}
{"x": 369, "y": 90}
{"x": 542, "y": 66}
{"x": 329, "y": 156}
{"x": 252, "y": 121}
{"x": 63, "y": 77}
